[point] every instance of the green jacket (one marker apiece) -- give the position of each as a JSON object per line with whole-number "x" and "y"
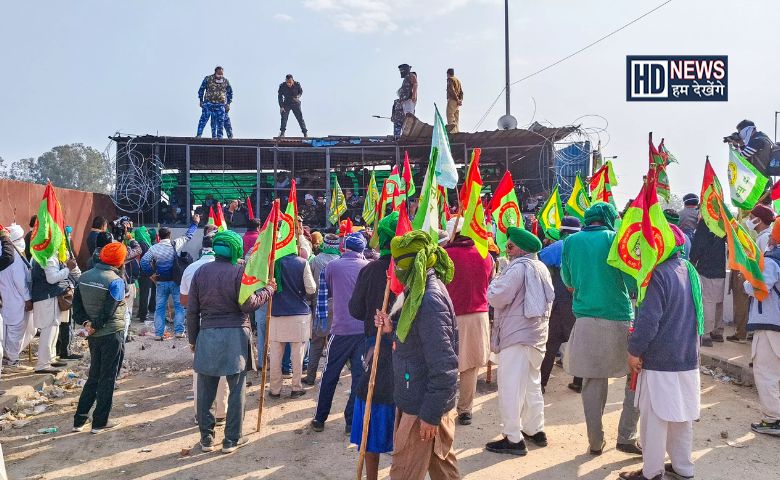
{"x": 600, "y": 290}
{"x": 100, "y": 299}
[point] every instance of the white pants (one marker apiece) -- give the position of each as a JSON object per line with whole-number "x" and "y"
{"x": 17, "y": 337}
{"x": 47, "y": 317}
{"x": 520, "y": 400}
{"x": 659, "y": 436}
{"x": 766, "y": 372}
{"x": 222, "y": 396}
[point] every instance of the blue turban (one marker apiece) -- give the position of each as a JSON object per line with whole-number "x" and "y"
{"x": 355, "y": 242}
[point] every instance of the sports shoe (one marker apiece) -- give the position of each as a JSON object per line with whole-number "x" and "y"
{"x": 507, "y": 447}
{"x": 230, "y": 447}
{"x": 638, "y": 475}
{"x": 670, "y": 473}
{"x": 297, "y": 393}
{"x": 220, "y": 422}
{"x": 207, "y": 444}
{"x": 767, "y": 428}
{"x": 539, "y": 439}
{"x": 180, "y": 335}
{"x": 630, "y": 448}
{"x": 317, "y": 426}
{"x": 84, "y": 426}
{"x": 106, "y": 427}
{"x": 464, "y": 418}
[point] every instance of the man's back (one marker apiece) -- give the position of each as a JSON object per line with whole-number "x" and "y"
{"x": 341, "y": 275}
{"x": 599, "y": 289}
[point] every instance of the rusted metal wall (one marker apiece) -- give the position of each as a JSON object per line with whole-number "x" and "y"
{"x": 20, "y": 200}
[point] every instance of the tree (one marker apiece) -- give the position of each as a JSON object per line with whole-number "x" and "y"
{"x": 73, "y": 166}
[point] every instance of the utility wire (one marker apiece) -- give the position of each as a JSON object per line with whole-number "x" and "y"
{"x": 568, "y": 57}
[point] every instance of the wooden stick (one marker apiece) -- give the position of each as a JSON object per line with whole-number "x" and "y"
{"x": 267, "y": 321}
{"x": 371, "y": 384}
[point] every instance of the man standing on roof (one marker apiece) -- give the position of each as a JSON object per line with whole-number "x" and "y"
{"x": 454, "y": 101}
{"x": 215, "y": 95}
{"x": 289, "y": 95}
{"x": 407, "y": 98}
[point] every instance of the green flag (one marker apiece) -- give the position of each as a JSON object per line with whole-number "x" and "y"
{"x": 338, "y": 204}
{"x": 286, "y": 237}
{"x": 551, "y": 213}
{"x": 261, "y": 255}
{"x": 505, "y": 210}
{"x": 644, "y": 238}
{"x": 427, "y": 218}
{"x": 446, "y": 171}
{"x": 746, "y": 182}
{"x": 369, "y": 204}
{"x": 48, "y": 235}
{"x": 578, "y": 201}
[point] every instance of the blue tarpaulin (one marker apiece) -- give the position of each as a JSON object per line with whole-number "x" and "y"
{"x": 569, "y": 161}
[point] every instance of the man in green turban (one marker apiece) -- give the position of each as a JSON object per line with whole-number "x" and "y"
{"x": 522, "y": 297}
{"x": 425, "y": 363}
{"x": 598, "y": 344}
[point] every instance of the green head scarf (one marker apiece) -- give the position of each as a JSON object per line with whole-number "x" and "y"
{"x": 414, "y": 253}
{"x": 142, "y": 235}
{"x": 228, "y": 244}
{"x": 524, "y": 239}
{"x": 605, "y": 213}
{"x": 386, "y": 231}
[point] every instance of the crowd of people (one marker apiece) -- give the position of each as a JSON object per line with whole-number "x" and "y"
{"x": 457, "y": 308}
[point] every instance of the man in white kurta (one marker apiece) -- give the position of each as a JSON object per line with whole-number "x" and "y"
{"x": 15, "y": 292}
{"x": 664, "y": 352}
{"x": 522, "y": 297}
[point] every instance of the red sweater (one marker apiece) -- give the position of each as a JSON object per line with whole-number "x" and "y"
{"x": 468, "y": 288}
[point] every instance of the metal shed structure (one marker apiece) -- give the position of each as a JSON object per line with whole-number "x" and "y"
{"x": 162, "y": 179}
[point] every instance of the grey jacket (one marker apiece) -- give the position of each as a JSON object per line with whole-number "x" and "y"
{"x": 522, "y": 297}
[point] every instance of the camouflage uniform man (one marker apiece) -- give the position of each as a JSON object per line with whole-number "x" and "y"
{"x": 215, "y": 95}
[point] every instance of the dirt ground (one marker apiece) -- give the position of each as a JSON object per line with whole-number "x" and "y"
{"x": 157, "y": 420}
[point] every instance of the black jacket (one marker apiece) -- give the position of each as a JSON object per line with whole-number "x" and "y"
{"x": 367, "y": 298}
{"x": 758, "y": 151}
{"x": 425, "y": 366}
{"x": 6, "y": 257}
{"x": 289, "y": 95}
{"x": 708, "y": 252}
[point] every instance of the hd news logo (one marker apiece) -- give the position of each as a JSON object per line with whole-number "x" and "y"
{"x": 677, "y": 78}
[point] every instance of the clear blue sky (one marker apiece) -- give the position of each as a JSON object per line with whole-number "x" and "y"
{"x": 79, "y": 71}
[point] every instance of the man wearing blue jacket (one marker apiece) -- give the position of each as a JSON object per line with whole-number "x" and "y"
{"x": 664, "y": 351}
{"x": 158, "y": 263}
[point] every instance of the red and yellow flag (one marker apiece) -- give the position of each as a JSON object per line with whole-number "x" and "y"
{"x": 505, "y": 210}
{"x": 403, "y": 227}
{"x": 601, "y": 184}
{"x": 474, "y": 216}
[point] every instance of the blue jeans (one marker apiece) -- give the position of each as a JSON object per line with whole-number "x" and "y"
{"x": 164, "y": 290}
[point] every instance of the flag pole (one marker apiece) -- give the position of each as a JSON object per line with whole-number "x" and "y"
{"x": 275, "y": 211}
{"x": 457, "y": 216}
{"x": 371, "y": 384}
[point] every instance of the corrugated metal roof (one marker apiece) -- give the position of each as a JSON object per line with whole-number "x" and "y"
{"x": 415, "y": 132}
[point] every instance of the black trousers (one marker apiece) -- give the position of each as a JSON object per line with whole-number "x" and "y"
{"x": 147, "y": 296}
{"x": 296, "y": 109}
{"x": 561, "y": 324}
{"x": 207, "y": 393}
{"x": 105, "y": 353}
{"x": 63, "y": 340}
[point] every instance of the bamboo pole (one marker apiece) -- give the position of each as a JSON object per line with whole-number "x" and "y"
{"x": 371, "y": 384}
{"x": 267, "y": 321}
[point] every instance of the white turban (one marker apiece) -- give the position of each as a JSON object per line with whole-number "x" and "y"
{"x": 17, "y": 235}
